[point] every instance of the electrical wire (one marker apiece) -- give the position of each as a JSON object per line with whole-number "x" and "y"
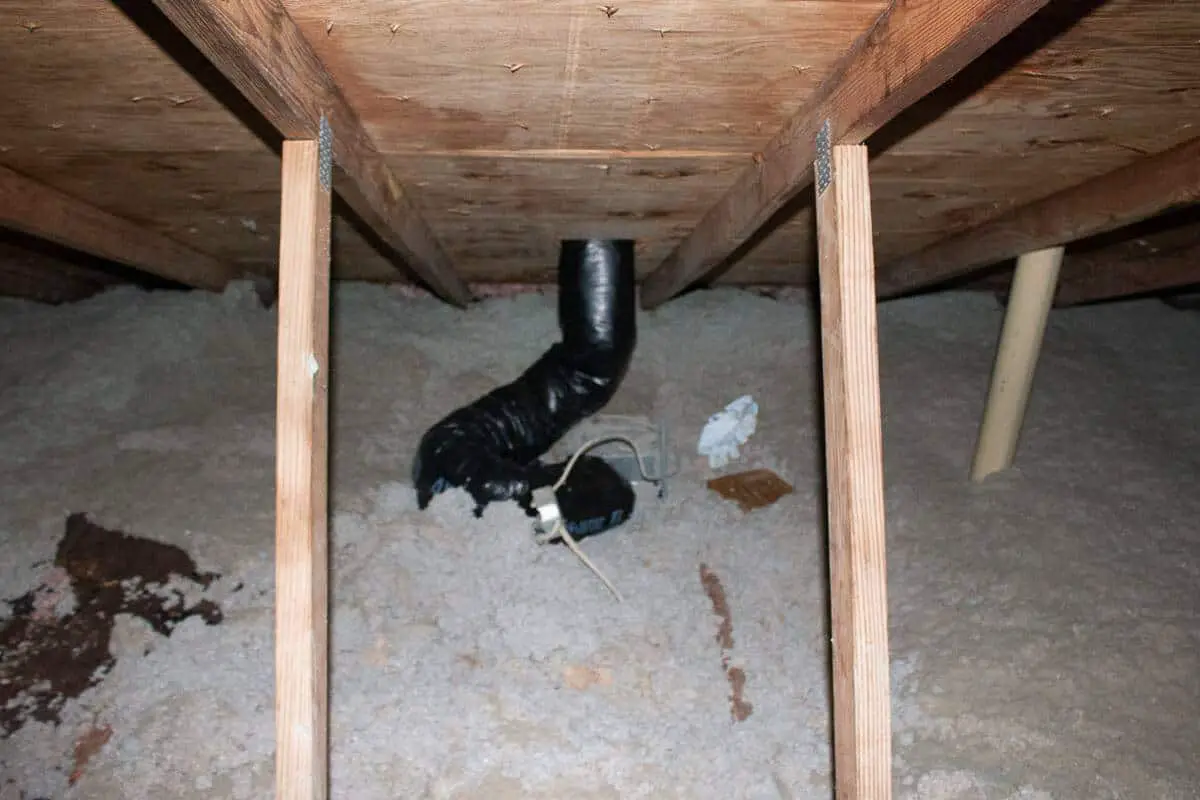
{"x": 559, "y": 529}
{"x": 599, "y": 440}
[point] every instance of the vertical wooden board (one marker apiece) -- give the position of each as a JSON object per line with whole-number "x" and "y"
{"x": 854, "y": 466}
{"x": 301, "y": 555}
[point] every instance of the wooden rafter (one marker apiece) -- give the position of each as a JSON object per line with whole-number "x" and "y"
{"x": 910, "y": 50}
{"x": 33, "y": 208}
{"x": 262, "y": 51}
{"x": 47, "y": 280}
{"x": 1140, "y": 266}
{"x": 1135, "y": 192}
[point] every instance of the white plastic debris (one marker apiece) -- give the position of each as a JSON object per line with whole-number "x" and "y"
{"x": 727, "y": 430}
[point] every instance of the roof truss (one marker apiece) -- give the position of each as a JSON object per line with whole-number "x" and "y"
{"x": 913, "y": 47}
{"x": 1142, "y": 264}
{"x": 1137, "y": 191}
{"x": 42, "y": 211}
{"x": 260, "y": 49}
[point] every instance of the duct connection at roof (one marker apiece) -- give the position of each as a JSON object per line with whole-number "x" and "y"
{"x": 492, "y": 447}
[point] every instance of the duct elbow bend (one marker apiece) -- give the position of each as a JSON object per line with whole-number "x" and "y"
{"x": 597, "y": 312}
{"x": 492, "y": 446}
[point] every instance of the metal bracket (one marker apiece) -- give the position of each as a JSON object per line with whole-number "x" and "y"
{"x": 824, "y": 157}
{"x": 325, "y": 154}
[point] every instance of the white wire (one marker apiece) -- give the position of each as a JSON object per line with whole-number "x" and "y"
{"x": 599, "y": 440}
{"x": 560, "y": 529}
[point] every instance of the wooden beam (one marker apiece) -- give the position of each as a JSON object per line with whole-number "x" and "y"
{"x": 301, "y": 506}
{"x": 39, "y": 210}
{"x": 1029, "y": 303}
{"x": 261, "y": 50}
{"x": 912, "y": 48}
{"x": 1166, "y": 261}
{"x": 854, "y": 465}
{"x": 46, "y": 272}
{"x": 47, "y": 282}
{"x": 1135, "y": 192}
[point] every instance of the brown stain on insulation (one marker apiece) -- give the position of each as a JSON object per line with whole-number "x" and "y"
{"x": 88, "y": 745}
{"x": 46, "y": 659}
{"x": 739, "y": 707}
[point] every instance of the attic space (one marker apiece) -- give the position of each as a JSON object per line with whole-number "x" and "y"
{"x": 773, "y": 400}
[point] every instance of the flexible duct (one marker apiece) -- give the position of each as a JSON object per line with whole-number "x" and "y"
{"x": 491, "y": 448}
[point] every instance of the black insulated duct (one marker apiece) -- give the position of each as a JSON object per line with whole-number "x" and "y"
{"x": 491, "y": 448}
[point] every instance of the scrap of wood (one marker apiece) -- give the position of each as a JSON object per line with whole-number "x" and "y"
{"x": 301, "y": 488}
{"x": 39, "y": 210}
{"x": 911, "y": 49}
{"x": 755, "y": 488}
{"x": 854, "y": 466}
{"x": 262, "y": 51}
{"x": 1137, "y": 191}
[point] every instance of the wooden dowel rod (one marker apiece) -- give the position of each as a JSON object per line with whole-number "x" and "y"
{"x": 1029, "y": 302}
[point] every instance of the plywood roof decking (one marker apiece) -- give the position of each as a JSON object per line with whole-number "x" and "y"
{"x": 699, "y": 77}
{"x": 627, "y": 125}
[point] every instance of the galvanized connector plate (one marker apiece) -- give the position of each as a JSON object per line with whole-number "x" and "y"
{"x": 824, "y": 157}
{"x": 325, "y": 154}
